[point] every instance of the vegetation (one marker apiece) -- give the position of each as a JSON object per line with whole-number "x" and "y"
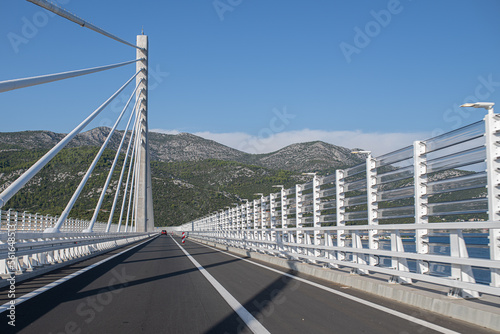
{"x": 52, "y": 188}
{"x": 182, "y": 191}
{"x": 185, "y": 183}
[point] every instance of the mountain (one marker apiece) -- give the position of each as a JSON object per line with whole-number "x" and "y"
{"x": 45, "y": 140}
{"x": 307, "y": 157}
{"x": 191, "y": 176}
{"x": 303, "y": 157}
{"x": 188, "y": 147}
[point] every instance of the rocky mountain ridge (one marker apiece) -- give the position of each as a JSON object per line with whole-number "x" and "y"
{"x": 302, "y": 157}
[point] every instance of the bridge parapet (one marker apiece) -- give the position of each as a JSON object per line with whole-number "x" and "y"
{"x": 35, "y": 222}
{"x": 27, "y": 254}
{"x": 426, "y": 212}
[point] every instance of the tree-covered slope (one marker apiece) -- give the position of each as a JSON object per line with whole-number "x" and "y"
{"x": 182, "y": 191}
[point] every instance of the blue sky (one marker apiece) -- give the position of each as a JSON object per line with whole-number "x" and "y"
{"x": 258, "y": 75}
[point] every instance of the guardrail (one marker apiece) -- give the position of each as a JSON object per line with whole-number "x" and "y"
{"x": 35, "y": 222}
{"x": 22, "y": 252}
{"x": 426, "y": 212}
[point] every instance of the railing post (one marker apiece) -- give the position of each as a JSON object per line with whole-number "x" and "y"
{"x": 272, "y": 218}
{"x": 220, "y": 223}
{"x": 239, "y": 217}
{"x": 16, "y": 217}
{"x": 229, "y": 223}
{"x": 216, "y": 225}
{"x": 235, "y": 225}
{"x": 262, "y": 219}
{"x": 460, "y": 272}
{"x": 232, "y": 225}
{"x": 7, "y": 218}
{"x": 225, "y": 225}
{"x": 420, "y": 194}
{"x": 284, "y": 218}
{"x": 372, "y": 205}
{"x": 316, "y": 215}
{"x": 398, "y": 263}
{"x": 23, "y": 221}
{"x": 298, "y": 216}
{"x": 340, "y": 205}
{"x": 492, "y": 126}
{"x": 246, "y": 224}
{"x": 254, "y": 220}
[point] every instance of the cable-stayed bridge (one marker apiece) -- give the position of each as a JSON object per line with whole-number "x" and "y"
{"x": 406, "y": 242}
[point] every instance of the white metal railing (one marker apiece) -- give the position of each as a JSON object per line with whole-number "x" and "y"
{"x": 427, "y": 212}
{"x": 23, "y": 252}
{"x": 35, "y": 222}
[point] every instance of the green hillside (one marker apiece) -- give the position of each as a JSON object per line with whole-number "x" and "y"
{"x": 51, "y": 189}
{"x": 181, "y": 190}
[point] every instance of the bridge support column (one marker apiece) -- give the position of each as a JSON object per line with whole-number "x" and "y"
{"x": 144, "y": 206}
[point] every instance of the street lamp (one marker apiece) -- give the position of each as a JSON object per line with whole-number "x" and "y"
{"x": 361, "y": 152}
{"x": 485, "y": 105}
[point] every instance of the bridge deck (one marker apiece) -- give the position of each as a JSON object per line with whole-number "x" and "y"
{"x": 155, "y": 288}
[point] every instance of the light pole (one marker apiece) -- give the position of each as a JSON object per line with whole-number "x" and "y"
{"x": 492, "y": 166}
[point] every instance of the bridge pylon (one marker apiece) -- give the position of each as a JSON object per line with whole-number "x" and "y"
{"x": 144, "y": 201}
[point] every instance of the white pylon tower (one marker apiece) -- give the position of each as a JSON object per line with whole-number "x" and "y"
{"x": 144, "y": 206}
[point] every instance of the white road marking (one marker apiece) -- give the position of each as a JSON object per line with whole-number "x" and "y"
{"x": 247, "y": 317}
{"x": 49, "y": 286}
{"x": 345, "y": 295}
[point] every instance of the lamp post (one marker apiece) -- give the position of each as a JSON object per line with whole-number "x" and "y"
{"x": 492, "y": 166}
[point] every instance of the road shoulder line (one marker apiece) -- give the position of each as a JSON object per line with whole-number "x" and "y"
{"x": 345, "y": 295}
{"x": 252, "y": 323}
{"x": 49, "y": 286}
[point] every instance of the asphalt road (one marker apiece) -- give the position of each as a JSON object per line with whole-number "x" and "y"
{"x": 155, "y": 288}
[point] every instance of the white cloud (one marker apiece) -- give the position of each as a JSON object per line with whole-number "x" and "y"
{"x": 168, "y": 132}
{"x": 378, "y": 143}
